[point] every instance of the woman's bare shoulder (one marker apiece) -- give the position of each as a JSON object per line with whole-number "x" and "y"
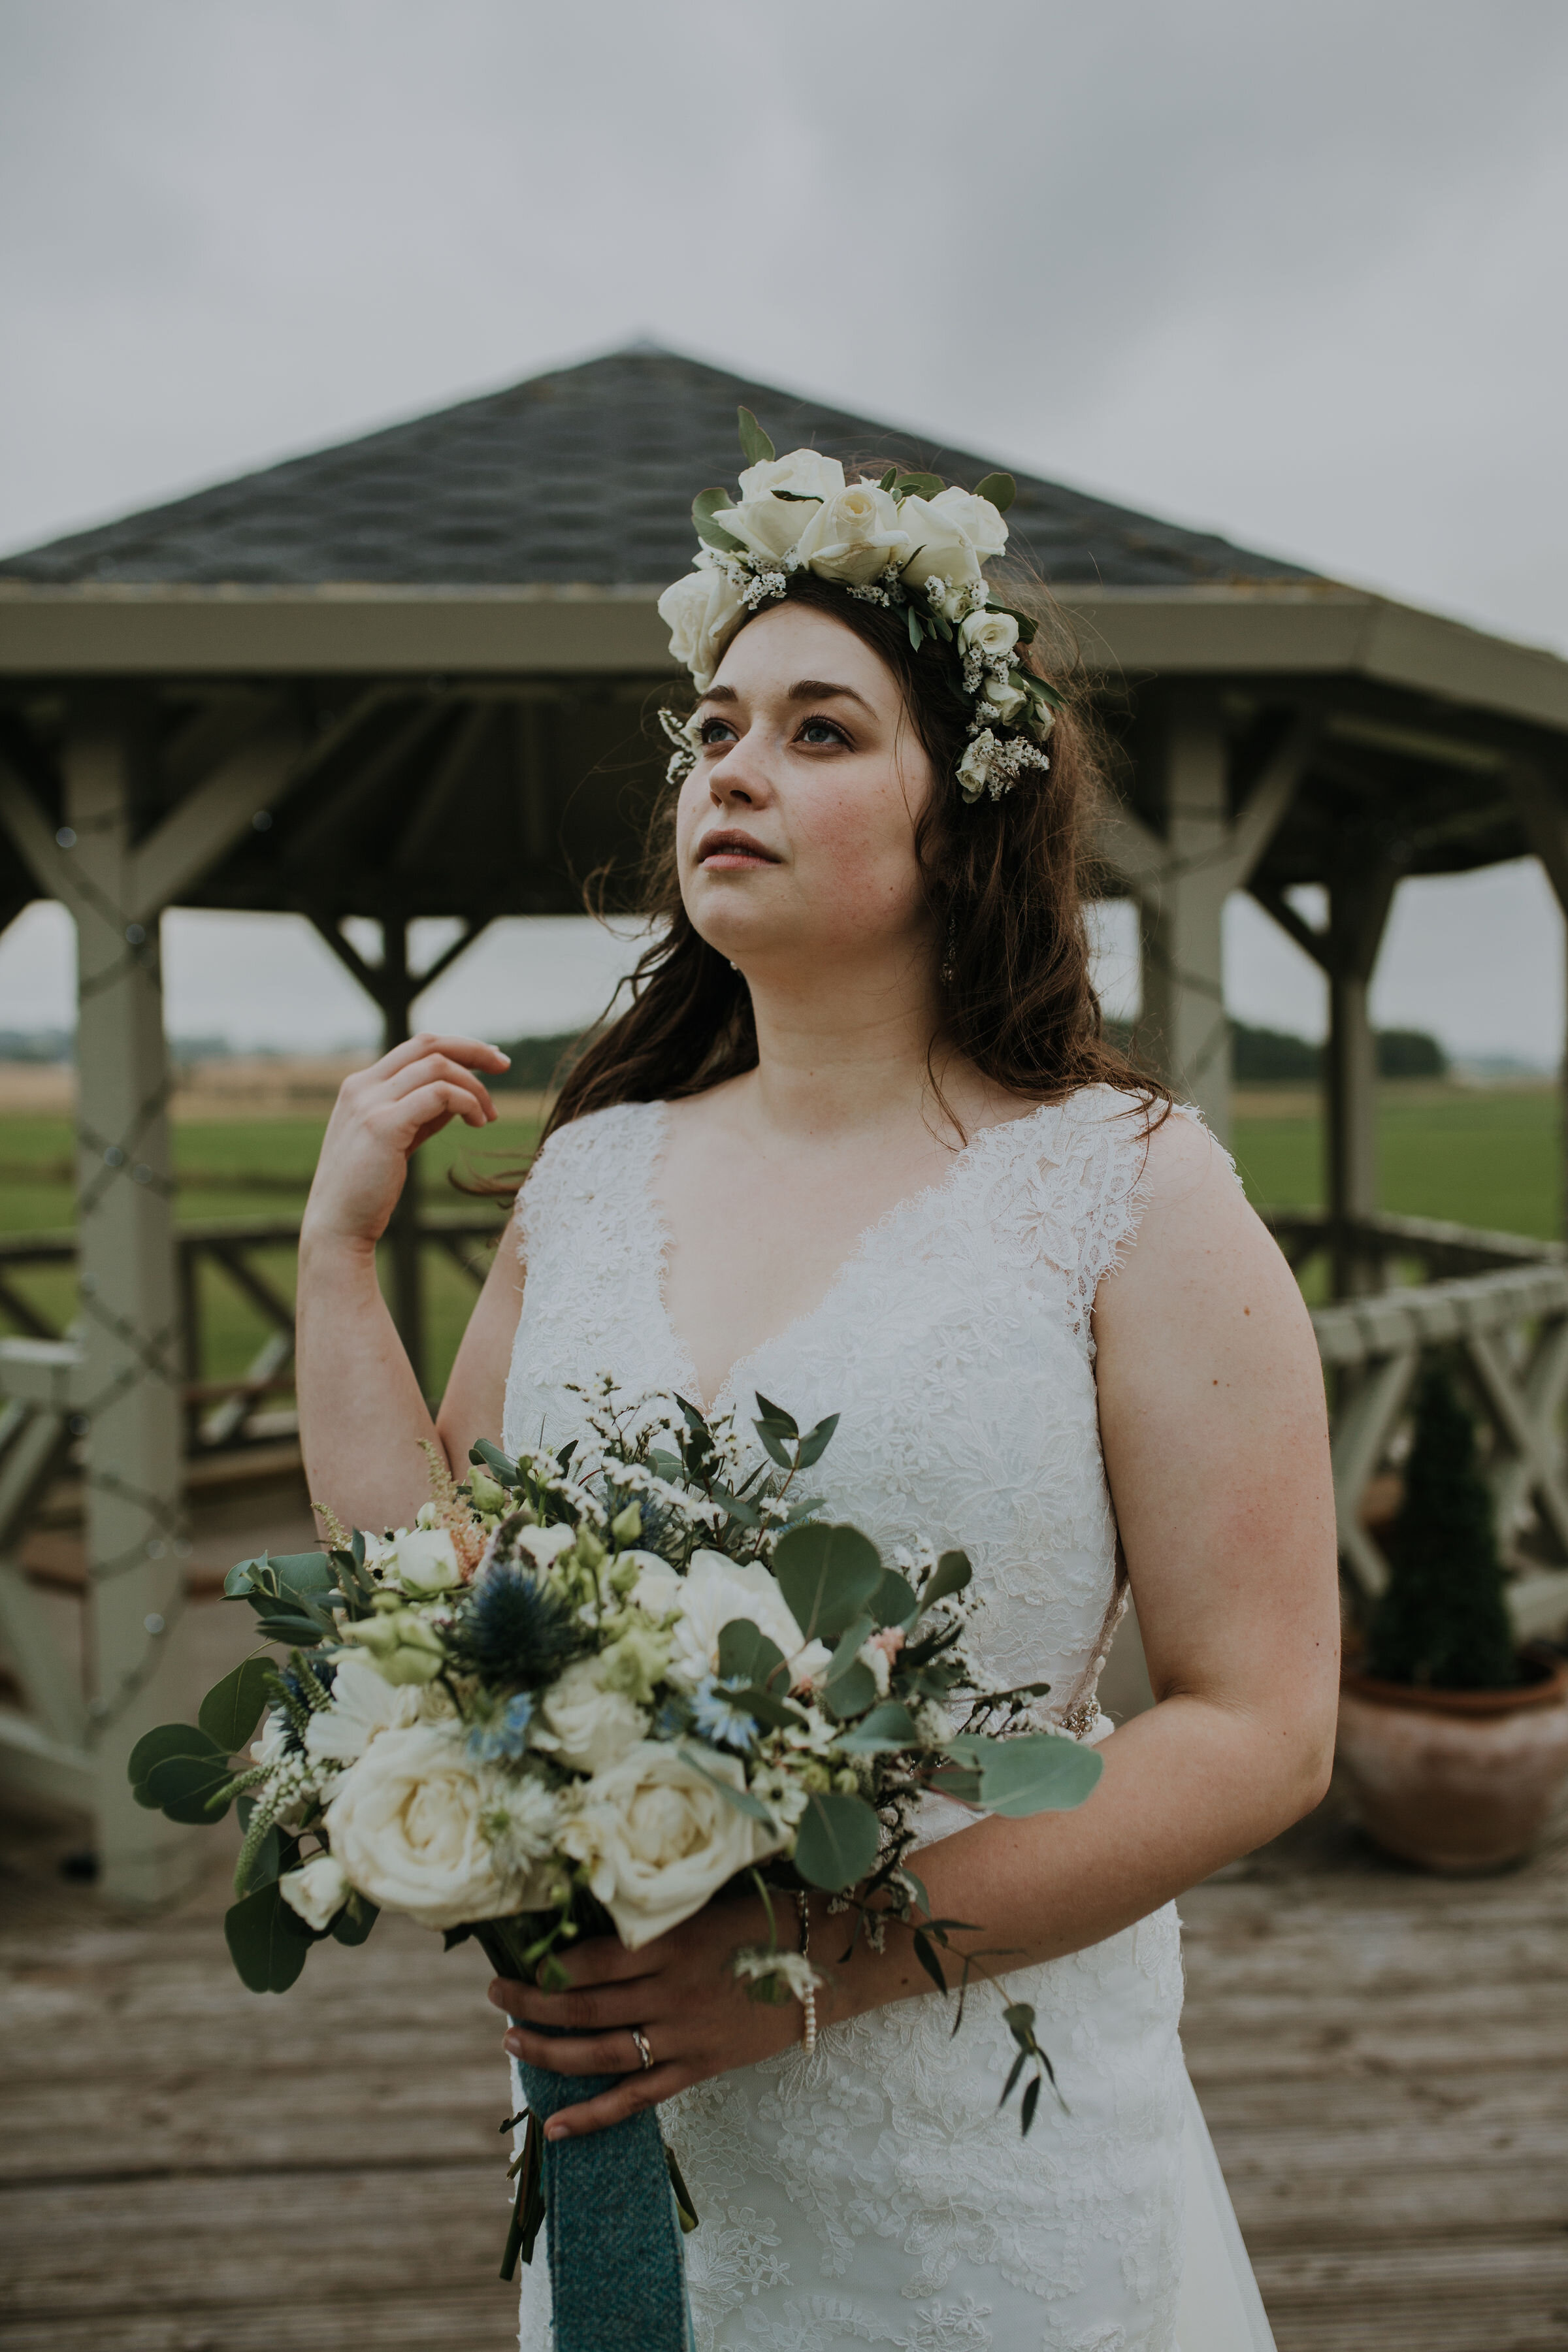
{"x": 1198, "y": 1244}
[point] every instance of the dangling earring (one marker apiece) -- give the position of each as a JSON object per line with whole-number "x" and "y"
{"x": 949, "y": 951}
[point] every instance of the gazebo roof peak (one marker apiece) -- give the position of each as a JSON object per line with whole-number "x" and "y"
{"x": 580, "y": 477}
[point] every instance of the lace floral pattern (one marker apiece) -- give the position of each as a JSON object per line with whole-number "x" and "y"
{"x": 872, "y": 2194}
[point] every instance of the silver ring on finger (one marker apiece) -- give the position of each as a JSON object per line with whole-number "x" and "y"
{"x": 645, "y": 2054}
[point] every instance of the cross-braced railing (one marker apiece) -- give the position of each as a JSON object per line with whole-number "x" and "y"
{"x": 1493, "y": 1305}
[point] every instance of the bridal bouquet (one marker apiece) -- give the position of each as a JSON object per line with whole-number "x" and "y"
{"x": 583, "y": 1693}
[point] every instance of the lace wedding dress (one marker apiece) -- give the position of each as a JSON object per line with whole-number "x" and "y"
{"x": 872, "y": 2193}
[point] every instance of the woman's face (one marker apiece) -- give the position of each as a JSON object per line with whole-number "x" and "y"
{"x": 796, "y": 830}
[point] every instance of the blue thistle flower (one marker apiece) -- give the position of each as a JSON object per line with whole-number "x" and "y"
{"x": 715, "y": 1715}
{"x": 513, "y": 1629}
{"x": 500, "y": 1726}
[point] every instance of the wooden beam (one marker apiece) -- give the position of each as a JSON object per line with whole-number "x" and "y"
{"x": 446, "y": 783}
{"x": 258, "y": 774}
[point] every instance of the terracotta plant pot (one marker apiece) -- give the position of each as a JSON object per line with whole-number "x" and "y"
{"x": 1457, "y": 1780}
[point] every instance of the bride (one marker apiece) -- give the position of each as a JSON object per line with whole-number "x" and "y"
{"x": 857, "y": 1144}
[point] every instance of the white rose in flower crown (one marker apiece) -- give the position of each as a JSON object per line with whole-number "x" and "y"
{"x": 714, "y": 1592}
{"x": 656, "y": 1838}
{"x": 417, "y": 1825}
{"x": 766, "y": 527}
{"x": 1002, "y": 700}
{"x": 422, "y": 1560}
{"x": 804, "y": 472}
{"x": 941, "y": 547}
{"x": 974, "y": 768}
{"x": 585, "y": 1725}
{"x": 701, "y": 611}
{"x": 317, "y": 1891}
{"x": 977, "y": 519}
{"x": 991, "y": 634}
{"x": 855, "y": 536}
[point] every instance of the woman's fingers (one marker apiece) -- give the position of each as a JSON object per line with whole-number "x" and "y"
{"x": 471, "y": 1050}
{"x": 590, "y": 2009}
{"x": 430, "y": 1067}
{"x": 427, "y": 1111}
{"x": 629, "y": 2098}
{"x": 586, "y": 2054}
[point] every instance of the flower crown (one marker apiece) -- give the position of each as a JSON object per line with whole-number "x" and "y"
{"x": 904, "y": 540}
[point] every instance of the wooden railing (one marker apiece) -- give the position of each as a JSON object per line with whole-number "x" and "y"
{"x": 221, "y": 1414}
{"x": 1495, "y": 1307}
{"x": 1495, "y": 1304}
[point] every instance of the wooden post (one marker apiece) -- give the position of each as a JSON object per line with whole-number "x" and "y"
{"x": 395, "y": 990}
{"x": 1543, "y": 810}
{"x": 1180, "y": 926}
{"x": 1359, "y": 902}
{"x": 130, "y": 1307}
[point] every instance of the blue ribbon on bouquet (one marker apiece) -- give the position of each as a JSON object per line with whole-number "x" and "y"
{"x": 617, "y": 2276}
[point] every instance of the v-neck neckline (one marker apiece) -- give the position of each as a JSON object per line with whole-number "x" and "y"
{"x": 650, "y": 1162}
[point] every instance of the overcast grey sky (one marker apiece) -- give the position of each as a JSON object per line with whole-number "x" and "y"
{"x": 1297, "y": 274}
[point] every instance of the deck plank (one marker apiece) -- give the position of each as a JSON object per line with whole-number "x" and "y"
{"x": 1383, "y": 2058}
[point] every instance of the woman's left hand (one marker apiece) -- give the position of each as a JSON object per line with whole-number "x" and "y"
{"x": 678, "y": 1992}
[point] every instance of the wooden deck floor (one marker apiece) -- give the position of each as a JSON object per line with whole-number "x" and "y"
{"x": 1384, "y": 2060}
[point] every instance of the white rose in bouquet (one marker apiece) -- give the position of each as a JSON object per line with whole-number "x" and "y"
{"x": 942, "y": 550}
{"x": 855, "y": 536}
{"x": 419, "y": 1826}
{"x": 422, "y": 1560}
{"x": 317, "y": 1891}
{"x": 701, "y": 611}
{"x": 585, "y": 1725}
{"x": 657, "y": 1838}
{"x": 977, "y": 519}
{"x": 363, "y": 1704}
{"x": 714, "y": 1592}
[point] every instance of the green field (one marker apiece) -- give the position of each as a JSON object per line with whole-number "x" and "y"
{"x": 1479, "y": 1158}
{"x": 241, "y": 1169}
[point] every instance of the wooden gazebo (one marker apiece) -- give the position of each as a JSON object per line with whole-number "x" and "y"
{"x": 407, "y": 677}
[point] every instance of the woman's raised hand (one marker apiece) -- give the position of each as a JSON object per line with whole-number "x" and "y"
{"x": 381, "y": 1116}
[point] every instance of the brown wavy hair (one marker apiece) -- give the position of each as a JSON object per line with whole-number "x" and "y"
{"x": 1006, "y": 881}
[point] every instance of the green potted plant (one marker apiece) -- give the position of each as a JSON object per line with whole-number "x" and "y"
{"x": 1455, "y": 1740}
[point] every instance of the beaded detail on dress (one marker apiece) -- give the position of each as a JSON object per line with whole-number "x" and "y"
{"x": 872, "y": 2193}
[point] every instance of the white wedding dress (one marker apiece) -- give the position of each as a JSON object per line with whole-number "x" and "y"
{"x": 872, "y": 2193}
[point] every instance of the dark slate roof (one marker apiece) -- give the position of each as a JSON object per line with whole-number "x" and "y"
{"x": 585, "y": 476}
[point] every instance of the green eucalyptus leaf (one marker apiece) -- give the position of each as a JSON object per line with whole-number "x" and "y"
{"x": 237, "y": 1583}
{"x": 916, "y": 635}
{"x": 354, "y": 1923}
{"x": 703, "y": 507}
{"x": 302, "y": 1575}
{"x": 893, "y": 1603}
{"x": 294, "y": 1632}
{"x": 951, "y": 1574}
{"x": 926, "y": 1955}
{"x": 745, "y": 1651}
{"x": 182, "y": 1786}
{"x": 758, "y": 448}
{"x": 768, "y": 1707}
{"x": 889, "y": 478}
{"x": 741, "y": 1799}
{"x": 1031, "y": 2101}
{"x": 232, "y": 1708}
{"x": 850, "y": 1693}
{"x": 1038, "y": 1773}
{"x": 265, "y": 1942}
{"x": 816, "y": 1442}
{"x": 492, "y": 1459}
{"x": 826, "y": 1574}
{"x": 957, "y": 1781}
{"x": 155, "y": 1747}
{"x": 836, "y": 1841}
{"x": 888, "y": 1726}
{"x": 776, "y": 1417}
{"x": 917, "y": 485}
{"x": 774, "y": 1445}
{"x": 1000, "y": 489}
